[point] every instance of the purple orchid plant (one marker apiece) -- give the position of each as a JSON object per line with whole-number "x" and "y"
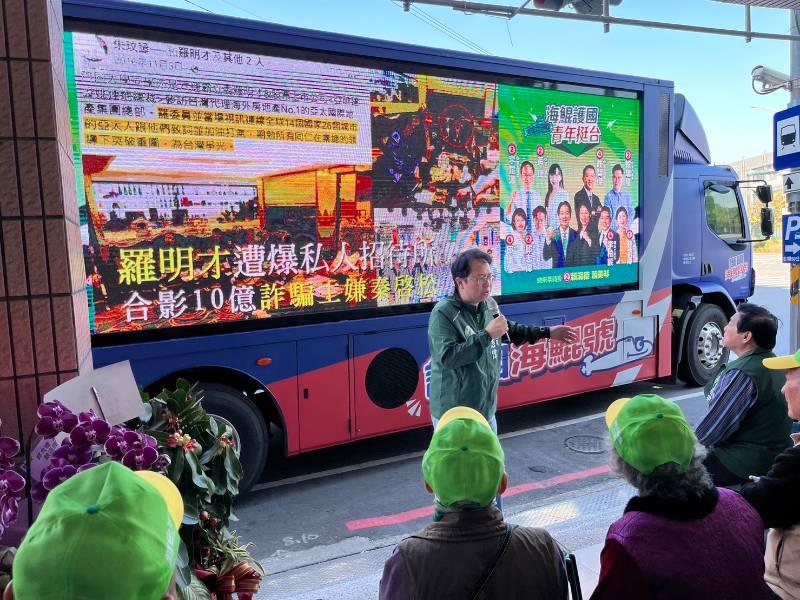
{"x": 12, "y": 483}
{"x": 90, "y": 440}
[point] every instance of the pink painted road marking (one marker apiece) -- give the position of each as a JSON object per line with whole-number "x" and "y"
{"x": 427, "y": 511}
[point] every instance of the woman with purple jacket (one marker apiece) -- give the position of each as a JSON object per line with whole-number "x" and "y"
{"x": 680, "y": 538}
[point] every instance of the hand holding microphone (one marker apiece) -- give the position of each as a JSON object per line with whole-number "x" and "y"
{"x": 497, "y": 327}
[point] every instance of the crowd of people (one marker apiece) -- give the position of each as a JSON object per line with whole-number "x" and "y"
{"x": 557, "y": 233}
{"x": 695, "y": 529}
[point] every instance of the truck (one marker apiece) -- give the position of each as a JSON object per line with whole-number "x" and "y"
{"x": 271, "y": 212}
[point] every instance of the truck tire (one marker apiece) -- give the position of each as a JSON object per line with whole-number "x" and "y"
{"x": 703, "y": 354}
{"x": 240, "y": 412}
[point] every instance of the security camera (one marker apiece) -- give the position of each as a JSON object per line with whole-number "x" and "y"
{"x": 770, "y": 79}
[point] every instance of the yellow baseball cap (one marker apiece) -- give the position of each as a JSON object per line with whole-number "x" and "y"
{"x": 790, "y": 361}
{"x": 170, "y": 493}
{"x": 462, "y": 412}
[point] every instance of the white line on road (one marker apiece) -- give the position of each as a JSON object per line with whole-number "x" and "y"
{"x": 403, "y": 457}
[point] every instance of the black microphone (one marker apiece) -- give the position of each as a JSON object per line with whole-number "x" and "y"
{"x": 491, "y": 304}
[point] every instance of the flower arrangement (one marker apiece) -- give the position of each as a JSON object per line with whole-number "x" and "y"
{"x": 174, "y": 436}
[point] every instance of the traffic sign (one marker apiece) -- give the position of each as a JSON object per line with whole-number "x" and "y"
{"x": 791, "y": 182}
{"x": 786, "y": 139}
{"x": 791, "y": 238}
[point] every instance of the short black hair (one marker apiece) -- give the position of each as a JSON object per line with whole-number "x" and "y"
{"x": 617, "y": 167}
{"x": 460, "y": 266}
{"x": 621, "y": 209}
{"x": 761, "y": 323}
{"x": 529, "y": 163}
{"x": 564, "y": 203}
{"x": 586, "y": 168}
{"x": 519, "y": 211}
{"x": 540, "y": 209}
{"x": 607, "y": 210}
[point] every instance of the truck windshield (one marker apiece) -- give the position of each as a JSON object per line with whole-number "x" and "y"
{"x": 723, "y": 214}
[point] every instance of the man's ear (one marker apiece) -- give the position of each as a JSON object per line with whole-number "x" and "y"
{"x": 503, "y": 484}
{"x": 8, "y": 593}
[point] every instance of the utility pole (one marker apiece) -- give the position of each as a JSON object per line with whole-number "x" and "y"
{"x": 793, "y": 198}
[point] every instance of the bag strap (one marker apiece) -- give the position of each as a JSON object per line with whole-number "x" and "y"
{"x": 490, "y": 568}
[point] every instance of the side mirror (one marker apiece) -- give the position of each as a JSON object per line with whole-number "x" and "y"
{"x": 764, "y": 193}
{"x": 766, "y": 217}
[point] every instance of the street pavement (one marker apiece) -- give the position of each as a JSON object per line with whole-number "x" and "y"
{"x": 324, "y": 523}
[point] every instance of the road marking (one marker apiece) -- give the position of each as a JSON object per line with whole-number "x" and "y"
{"x": 427, "y": 511}
{"x": 411, "y": 455}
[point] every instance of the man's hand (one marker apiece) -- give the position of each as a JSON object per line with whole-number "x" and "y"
{"x": 497, "y": 327}
{"x": 562, "y": 333}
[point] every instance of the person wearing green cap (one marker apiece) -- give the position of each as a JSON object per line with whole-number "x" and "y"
{"x": 107, "y": 532}
{"x": 776, "y": 495}
{"x": 469, "y": 551}
{"x": 746, "y": 425}
{"x": 464, "y": 340}
{"x": 680, "y": 537}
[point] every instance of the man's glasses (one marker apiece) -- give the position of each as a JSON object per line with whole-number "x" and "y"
{"x": 482, "y": 278}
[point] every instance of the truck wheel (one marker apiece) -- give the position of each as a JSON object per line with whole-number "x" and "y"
{"x": 249, "y": 428}
{"x": 703, "y": 354}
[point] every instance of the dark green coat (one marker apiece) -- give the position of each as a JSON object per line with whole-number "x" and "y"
{"x": 465, "y": 361}
{"x": 764, "y": 431}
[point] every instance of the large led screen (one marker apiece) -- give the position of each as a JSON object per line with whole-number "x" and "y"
{"x": 220, "y": 186}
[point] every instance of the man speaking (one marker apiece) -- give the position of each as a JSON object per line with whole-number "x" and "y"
{"x": 464, "y": 338}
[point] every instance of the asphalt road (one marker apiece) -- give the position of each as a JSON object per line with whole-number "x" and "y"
{"x": 323, "y": 523}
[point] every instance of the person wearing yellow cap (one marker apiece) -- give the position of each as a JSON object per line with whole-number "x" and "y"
{"x": 469, "y": 551}
{"x": 680, "y": 537}
{"x": 108, "y": 532}
{"x": 776, "y": 495}
{"x": 746, "y": 426}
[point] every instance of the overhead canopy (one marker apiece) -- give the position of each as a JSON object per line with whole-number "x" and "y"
{"x": 790, "y": 4}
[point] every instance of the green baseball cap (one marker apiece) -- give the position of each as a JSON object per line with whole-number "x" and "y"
{"x": 464, "y": 461}
{"x": 790, "y": 361}
{"x": 108, "y": 532}
{"x": 648, "y": 431}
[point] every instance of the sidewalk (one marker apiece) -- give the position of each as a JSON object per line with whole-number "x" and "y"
{"x": 352, "y": 570}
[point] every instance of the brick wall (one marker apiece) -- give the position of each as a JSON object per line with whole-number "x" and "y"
{"x": 44, "y": 337}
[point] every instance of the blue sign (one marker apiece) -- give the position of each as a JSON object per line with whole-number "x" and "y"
{"x": 791, "y": 238}
{"x": 786, "y": 139}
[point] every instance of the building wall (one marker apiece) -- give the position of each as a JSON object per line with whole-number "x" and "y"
{"x": 44, "y": 336}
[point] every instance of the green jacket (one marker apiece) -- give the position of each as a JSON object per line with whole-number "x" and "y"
{"x": 764, "y": 431}
{"x": 465, "y": 361}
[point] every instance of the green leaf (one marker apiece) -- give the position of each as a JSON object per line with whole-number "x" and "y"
{"x": 160, "y": 436}
{"x": 233, "y": 517}
{"x": 184, "y": 569}
{"x": 198, "y": 477}
{"x": 179, "y": 396}
{"x": 232, "y": 464}
{"x": 175, "y": 469}
{"x": 213, "y": 427}
{"x": 147, "y": 413}
{"x": 196, "y": 590}
{"x": 183, "y": 384}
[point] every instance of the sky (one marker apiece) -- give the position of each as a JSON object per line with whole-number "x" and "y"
{"x": 712, "y": 71}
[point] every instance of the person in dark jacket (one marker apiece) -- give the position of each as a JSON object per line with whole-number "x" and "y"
{"x": 681, "y": 537}
{"x": 775, "y": 495}
{"x": 469, "y": 551}
{"x": 464, "y": 340}
{"x": 746, "y": 426}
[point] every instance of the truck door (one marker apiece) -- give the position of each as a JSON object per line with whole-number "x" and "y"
{"x": 725, "y": 261}
{"x": 324, "y": 391}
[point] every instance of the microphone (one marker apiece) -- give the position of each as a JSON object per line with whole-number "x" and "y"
{"x": 491, "y": 304}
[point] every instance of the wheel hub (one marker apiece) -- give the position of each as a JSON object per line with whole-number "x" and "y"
{"x": 709, "y": 345}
